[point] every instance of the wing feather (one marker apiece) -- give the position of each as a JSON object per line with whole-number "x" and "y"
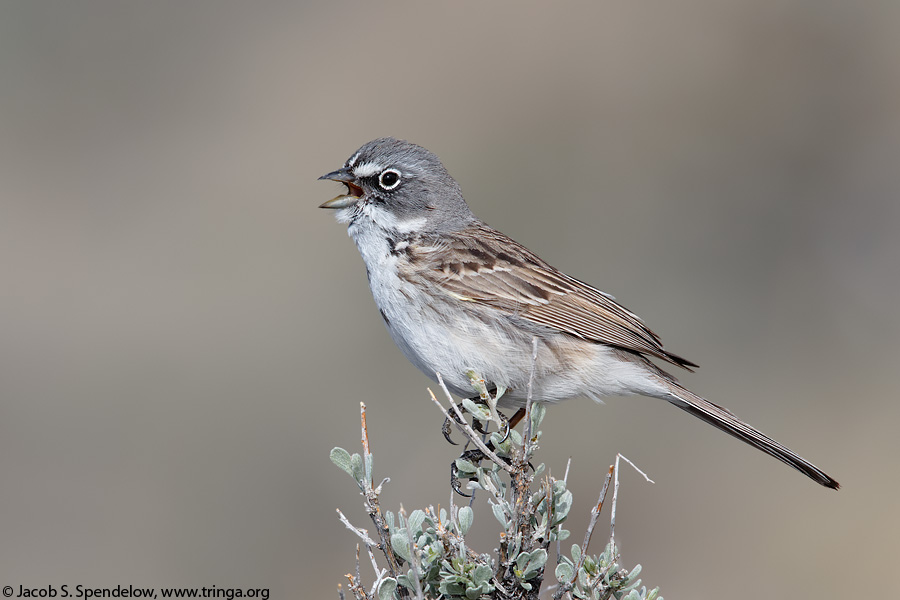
{"x": 484, "y": 266}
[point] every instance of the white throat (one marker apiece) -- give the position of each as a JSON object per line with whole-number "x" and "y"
{"x": 368, "y": 214}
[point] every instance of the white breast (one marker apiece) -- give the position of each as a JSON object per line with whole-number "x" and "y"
{"x": 399, "y": 302}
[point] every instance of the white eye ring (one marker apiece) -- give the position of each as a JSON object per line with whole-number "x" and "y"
{"x": 389, "y": 179}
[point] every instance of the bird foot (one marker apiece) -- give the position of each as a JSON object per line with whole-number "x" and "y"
{"x": 478, "y": 420}
{"x": 475, "y": 456}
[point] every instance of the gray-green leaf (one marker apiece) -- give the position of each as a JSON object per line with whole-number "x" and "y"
{"x": 531, "y": 563}
{"x": 400, "y": 545}
{"x": 466, "y": 516}
{"x": 341, "y": 458}
{"x": 464, "y": 466}
{"x": 479, "y": 411}
{"x": 482, "y": 574}
{"x": 416, "y": 518}
{"x": 538, "y": 411}
{"x": 500, "y": 515}
{"x": 564, "y": 572}
{"x": 576, "y": 553}
{"x": 633, "y": 575}
{"x": 356, "y": 468}
{"x": 387, "y": 588}
{"x": 563, "y": 506}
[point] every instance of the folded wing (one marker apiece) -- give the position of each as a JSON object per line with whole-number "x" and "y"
{"x": 491, "y": 269}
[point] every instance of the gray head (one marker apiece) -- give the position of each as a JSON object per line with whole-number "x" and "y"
{"x": 399, "y": 185}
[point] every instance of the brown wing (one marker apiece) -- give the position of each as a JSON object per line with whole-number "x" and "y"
{"x": 484, "y": 266}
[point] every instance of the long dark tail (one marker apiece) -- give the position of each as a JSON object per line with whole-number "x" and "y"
{"x": 722, "y": 419}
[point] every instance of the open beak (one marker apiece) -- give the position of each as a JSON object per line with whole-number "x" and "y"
{"x": 354, "y": 192}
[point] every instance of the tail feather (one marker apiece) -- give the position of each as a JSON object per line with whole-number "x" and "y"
{"x": 723, "y": 419}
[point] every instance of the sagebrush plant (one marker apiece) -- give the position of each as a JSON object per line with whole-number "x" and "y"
{"x": 426, "y": 553}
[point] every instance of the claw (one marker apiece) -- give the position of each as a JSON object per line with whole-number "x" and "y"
{"x": 446, "y": 430}
{"x": 506, "y": 429}
{"x": 473, "y": 456}
{"x": 454, "y": 480}
{"x": 508, "y": 424}
{"x": 477, "y": 426}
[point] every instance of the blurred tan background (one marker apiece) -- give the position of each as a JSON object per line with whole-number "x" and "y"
{"x": 184, "y": 336}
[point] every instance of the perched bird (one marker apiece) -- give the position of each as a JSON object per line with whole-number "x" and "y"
{"x": 458, "y": 296}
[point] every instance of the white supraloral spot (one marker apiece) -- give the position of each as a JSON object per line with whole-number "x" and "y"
{"x": 367, "y": 169}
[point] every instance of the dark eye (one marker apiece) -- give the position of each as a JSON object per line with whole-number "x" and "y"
{"x": 389, "y": 179}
